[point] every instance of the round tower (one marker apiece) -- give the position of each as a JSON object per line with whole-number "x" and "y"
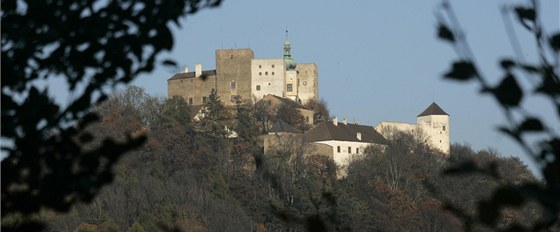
{"x": 434, "y": 122}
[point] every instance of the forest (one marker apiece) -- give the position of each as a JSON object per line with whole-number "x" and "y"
{"x": 189, "y": 175}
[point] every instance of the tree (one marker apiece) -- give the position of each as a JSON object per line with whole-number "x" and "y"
{"x": 264, "y": 113}
{"x": 521, "y": 124}
{"x": 245, "y": 125}
{"x": 215, "y": 118}
{"x": 290, "y": 115}
{"x": 91, "y": 45}
{"x": 321, "y": 110}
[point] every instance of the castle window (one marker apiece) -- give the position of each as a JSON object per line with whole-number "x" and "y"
{"x": 258, "y": 87}
{"x": 232, "y": 85}
{"x": 357, "y": 150}
{"x": 190, "y": 101}
{"x": 259, "y": 66}
{"x": 272, "y": 66}
{"x": 260, "y": 73}
{"x": 443, "y": 128}
{"x": 289, "y": 87}
{"x": 338, "y": 149}
{"x": 266, "y": 73}
{"x": 307, "y": 118}
{"x": 349, "y": 149}
{"x": 273, "y": 73}
{"x": 231, "y": 57}
{"x": 204, "y": 99}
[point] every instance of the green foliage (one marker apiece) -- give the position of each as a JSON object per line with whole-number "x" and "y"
{"x": 321, "y": 110}
{"x": 245, "y": 125}
{"x": 509, "y": 95}
{"x": 92, "y": 46}
{"x": 215, "y": 118}
{"x": 171, "y": 184}
{"x": 136, "y": 227}
{"x": 290, "y": 115}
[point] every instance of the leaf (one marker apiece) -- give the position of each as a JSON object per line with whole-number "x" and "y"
{"x": 445, "y": 34}
{"x": 530, "y": 68}
{"x": 489, "y": 210}
{"x": 524, "y": 15}
{"x": 169, "y": 62}
{"x": 508, "y": 92}
{"x": 507, "y": 63}
{"x": 549, "y": 85}
{"x": 461, "y": 71}
{"x": 554, "y": 41}
{"x": 512, "y": 133}
{"x": 531, "y": 124}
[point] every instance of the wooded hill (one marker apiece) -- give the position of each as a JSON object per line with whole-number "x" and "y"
{"x": 189, "y": 176}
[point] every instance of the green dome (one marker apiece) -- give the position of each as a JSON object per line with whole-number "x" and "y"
{"x": 290, "y": 63}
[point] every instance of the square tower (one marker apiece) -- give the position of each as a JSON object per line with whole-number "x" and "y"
{"x": 233, "y": 73}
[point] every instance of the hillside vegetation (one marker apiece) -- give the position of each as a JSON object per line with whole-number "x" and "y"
{"x": 189, "y": 176}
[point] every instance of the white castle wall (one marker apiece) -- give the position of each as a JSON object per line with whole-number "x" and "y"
{"x": 267, "y": 77}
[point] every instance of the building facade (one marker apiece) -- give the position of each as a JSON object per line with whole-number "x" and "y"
{"x": 239, "y": 73}
{"x": 343, "y": 140}
{"x": 432, "y": 123}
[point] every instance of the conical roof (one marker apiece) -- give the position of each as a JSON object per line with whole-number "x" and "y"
{"x": 433, "y": 109}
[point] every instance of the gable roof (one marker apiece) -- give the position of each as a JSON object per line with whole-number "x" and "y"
{"x": 344, "y": 132}
{"x": 433, "y": 109}
{"x": 283, "y": 100}
{"x": 184, "y": 75}
{"x": 281, "y": 126}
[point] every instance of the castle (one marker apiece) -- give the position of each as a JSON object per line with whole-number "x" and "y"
{"x": 238, "y": 73}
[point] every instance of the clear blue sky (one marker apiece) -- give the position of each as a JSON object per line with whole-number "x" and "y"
{"x": 377, "y": 60}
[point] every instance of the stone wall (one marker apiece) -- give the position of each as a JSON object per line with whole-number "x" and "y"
{"x": 308, "y": 88}
{"x": 233, "y": 71}
{"x": 192, "y": 89}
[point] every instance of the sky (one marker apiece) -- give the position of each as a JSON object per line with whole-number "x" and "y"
{"x": 378, "y": 60}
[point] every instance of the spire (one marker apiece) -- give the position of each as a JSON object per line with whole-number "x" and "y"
{"x": 290, "y": 63}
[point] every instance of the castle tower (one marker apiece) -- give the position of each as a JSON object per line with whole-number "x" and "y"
{"x": 434, "y": 122}
{"x": 233, "y": 72}
{"x": 291, "y": 88}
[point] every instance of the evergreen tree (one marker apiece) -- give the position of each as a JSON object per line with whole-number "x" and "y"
{"x": 245, "y": 123}
{"x": 215, "y": 120}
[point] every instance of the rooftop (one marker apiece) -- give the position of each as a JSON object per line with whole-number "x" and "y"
{"x": 187, "y": 75}
{"x": 433, "y": 109}
{"x": 344, "y": 132}
{"x": 281, "y": 126}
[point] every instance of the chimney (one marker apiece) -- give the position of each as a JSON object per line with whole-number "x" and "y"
{"x": 359, "y": 136}
{"x": 197, "y": 70}
{"x": 335, "y": 121}
{"x": 186, "y": 69}
{"x": 344, "y": 121}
